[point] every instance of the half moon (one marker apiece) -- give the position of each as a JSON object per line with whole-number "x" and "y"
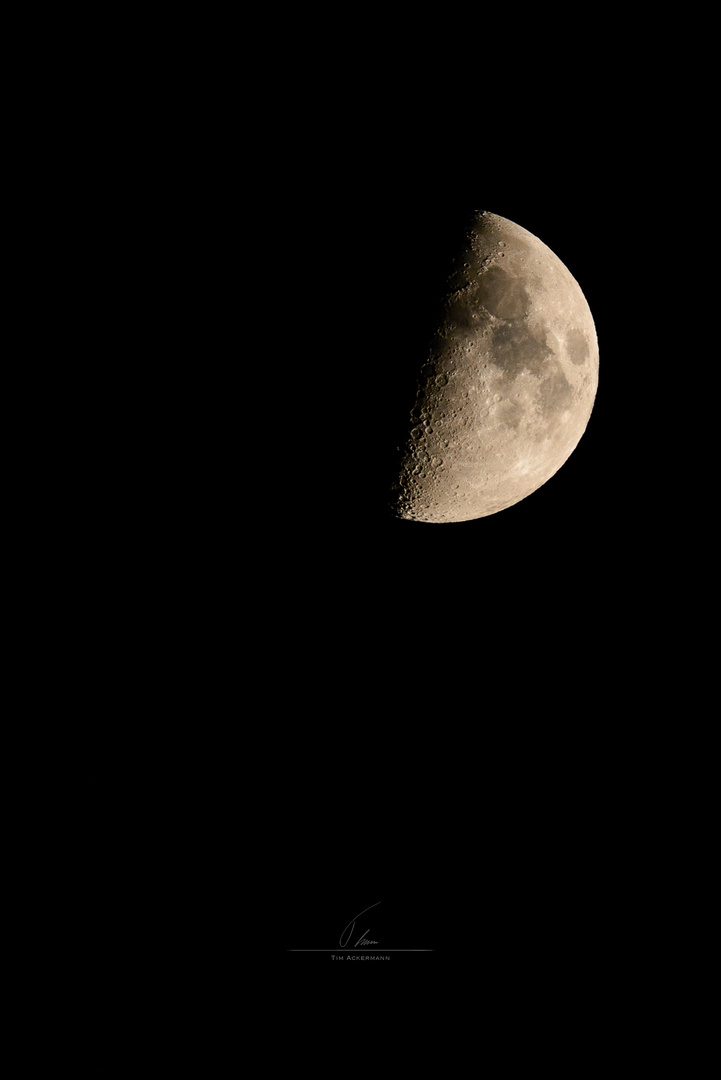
{"x": 509, "y": 383}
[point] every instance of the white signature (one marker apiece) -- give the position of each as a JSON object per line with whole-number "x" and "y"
{"x": 362, "y": 940}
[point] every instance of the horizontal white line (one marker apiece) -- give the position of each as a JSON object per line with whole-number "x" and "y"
{"x": 339, "y": 950}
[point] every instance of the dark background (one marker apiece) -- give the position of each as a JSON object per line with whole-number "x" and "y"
{"x": 450, "y": 719}
{"x": 451, "y": 704}
{"x": 344, "y": 708}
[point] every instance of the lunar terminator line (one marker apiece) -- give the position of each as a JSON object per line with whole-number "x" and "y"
{"x": 509, "y": 382}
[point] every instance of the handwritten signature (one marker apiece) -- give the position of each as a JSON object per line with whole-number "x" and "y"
{"x": 348, "y": 931}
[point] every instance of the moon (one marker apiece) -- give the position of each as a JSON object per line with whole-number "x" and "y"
{"x": 508, "y": 384}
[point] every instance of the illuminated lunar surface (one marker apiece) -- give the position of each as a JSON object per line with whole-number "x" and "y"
{"x": 509, "y": 382}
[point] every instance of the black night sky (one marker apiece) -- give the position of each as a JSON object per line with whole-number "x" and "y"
{"x": 450, "y": 700}
{"x": 440, "y": 683}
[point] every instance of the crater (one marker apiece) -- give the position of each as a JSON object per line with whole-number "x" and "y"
{"x": 511, "y": 414}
